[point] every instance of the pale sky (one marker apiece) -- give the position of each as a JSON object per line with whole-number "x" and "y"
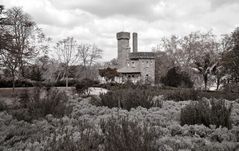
{"x": 98, "y": 21}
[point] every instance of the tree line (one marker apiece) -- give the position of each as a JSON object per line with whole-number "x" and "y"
{"x": 24, "y": 51}
{"x": 206, "y": 58}
{"x": 199, "y": 57}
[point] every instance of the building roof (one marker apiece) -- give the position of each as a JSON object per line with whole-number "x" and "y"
{"x": 128, "y": 70}
{"x": 142, "y": 55}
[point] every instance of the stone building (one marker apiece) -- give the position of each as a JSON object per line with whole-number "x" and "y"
{"x": 135, "y": 66}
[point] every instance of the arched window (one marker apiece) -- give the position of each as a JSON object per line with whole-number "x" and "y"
{"x": 147, "y": 64}
{"x": 133, "y": 64}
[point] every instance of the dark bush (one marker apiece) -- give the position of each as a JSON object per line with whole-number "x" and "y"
{"x": 62, "y": 83}
{"x": 39, "y": 103}
{"x": 127, "y": 84}
{"x": 121, "y": 134}
{"x": 3, "y": 105}
{"x": 182, "y": 95}
{"x": 127, "y": 98}
{"x": 6, "y": 83}
{"x": 177, "y": 78}
{"x": 207, "y": 112}
{"x": 83, "y": 85}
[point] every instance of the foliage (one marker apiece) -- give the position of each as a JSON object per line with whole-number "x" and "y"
{"x": 123, "y": 134}
{"x": 19, "y": 34}
{"x": 6, "y": 83}
{"x": 176, "y": 78}
{"x": 182, "y": 95}
{"x": 108, "y": 73}
{"x": 205, "y": 66}
{"x": 86, "y": 138}
{"x": 231, "y": 53}
{"x": 39, "y": 103}
{"x": 190, "y": 52}
{"x": 90, "y": 127}
{"x": 127, "y": 98}
{"x": 207, "y": 112}
{"x": 3, "y": 106}
{"x": 84, "y": 84}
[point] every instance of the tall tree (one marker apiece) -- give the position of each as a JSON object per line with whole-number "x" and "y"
{"x": 67, "y": 54}
{"x": 17, "y": 49}
{"x": 231, "y": 55}
{"x": 88, "y": 55}
{"x": 194, "y": 51}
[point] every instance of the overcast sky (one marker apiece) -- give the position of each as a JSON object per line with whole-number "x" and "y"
{"x": 98, "y": 21}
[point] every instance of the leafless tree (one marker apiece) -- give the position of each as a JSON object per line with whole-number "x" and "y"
{"x": 67, "y": 54}
{"x": 88, "y": 55}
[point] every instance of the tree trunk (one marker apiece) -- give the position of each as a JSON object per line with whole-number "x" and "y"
{"x": 66, "y": 76}
{"x": 13, "y": 83}
{"x": 205, "y": 78}
{"x": 218, "y": 83}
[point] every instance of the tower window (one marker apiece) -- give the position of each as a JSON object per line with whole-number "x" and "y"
{"x": 147, "y": 64}
{"x": 133, "y": 64}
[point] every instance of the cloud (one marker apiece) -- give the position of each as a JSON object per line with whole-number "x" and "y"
{"x": 219, "y": 3}
{"x": 106, "y": 8}
{"x": 98, "y": 21}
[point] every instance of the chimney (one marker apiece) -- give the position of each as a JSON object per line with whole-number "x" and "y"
{"x": 135, "y": 42}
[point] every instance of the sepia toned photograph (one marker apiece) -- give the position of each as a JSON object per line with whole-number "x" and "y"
{"x": 119, "y": 75}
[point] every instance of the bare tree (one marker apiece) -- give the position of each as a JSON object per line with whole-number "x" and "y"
{"x": 67, "y": 54}
{"x": 88, "y": 55}
{"x": 16, "y": 45}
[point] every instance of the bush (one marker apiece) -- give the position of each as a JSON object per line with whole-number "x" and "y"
{"x": 62, "y": 83}
{"x": 87, "y": 139}
{"x": 127, "y": 98}
{"x": 83, "y": 85}
{"x": 121, "y": 134}
{"x": 182, "y": 95}
{"x": 6, "y": 83}
{"x": 39, "y": 103}
{"x": 3, "y": 106}
{"x": 177, "y": 78}
{"x": 114, "y": 134}
{"x": 207, "y": 112}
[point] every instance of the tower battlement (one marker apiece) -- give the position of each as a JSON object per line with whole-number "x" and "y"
{"x": 123, "y": 35}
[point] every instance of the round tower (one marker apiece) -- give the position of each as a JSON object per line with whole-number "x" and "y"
{"x": 123, "y": 48}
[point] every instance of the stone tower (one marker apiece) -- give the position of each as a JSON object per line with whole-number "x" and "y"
{"x": 123, "y": 48}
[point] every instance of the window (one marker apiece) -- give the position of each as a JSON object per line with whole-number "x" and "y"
{"x": 147, "y": 64}
{"x": 133, "y": 64}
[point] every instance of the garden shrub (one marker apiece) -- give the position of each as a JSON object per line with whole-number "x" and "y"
{"x": 127, "y": 98}
{"x": 39, "y": 103}
{"x": 85, "y": 139}
{"x": 83, "y": 85}
{"x": 207, "y": 112}
{"x": 3, "y": 105}
{"x": 7, "y": 83}
{"x": 121, "y": 134}
{"x": 182, "y": 95}
{"x": 177, "y": 78}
